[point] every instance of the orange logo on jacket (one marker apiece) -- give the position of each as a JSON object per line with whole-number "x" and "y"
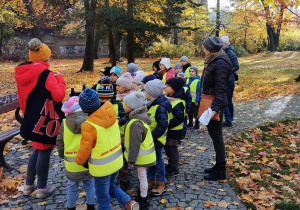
{"x": 112, "y": 149}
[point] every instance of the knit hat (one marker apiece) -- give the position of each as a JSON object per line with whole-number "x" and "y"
{"x": 71, "y": 104}
{"x": 38, "y": 51}
{"x": 225, "y": 39}
{"x": 106, "y": 71}
{"x": 117, "y": 70}
{"x": 148, "y": 78}
{"x": 178, "y": 65}
{"x": 89, "y": 100}
{"x": 166, "y": 62}
{"x": 132, "y": 68}
{"x": 213, "y": 44}
{"x": 182, "y": 75}
{"x": 106, "y": 89}
{"x": 139, "y": 75}
{"x": 155, "y": 88}
{"x": 156, "y": 64}
{"x": 135, "y": 100}
{"x": 176, "y": 83}
{"x": 125, "y": 80}
{"x": 158, "y": 75}
{"x": 195, "y": 68}
{"x": 184, "y": 58}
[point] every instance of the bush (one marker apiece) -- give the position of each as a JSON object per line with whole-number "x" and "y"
{"x": 240, "y": 50}
{"x": 287, "y": 206}
{"x": 289, "y": 41}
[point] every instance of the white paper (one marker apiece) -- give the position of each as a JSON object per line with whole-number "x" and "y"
{"x": 205, "y": 117}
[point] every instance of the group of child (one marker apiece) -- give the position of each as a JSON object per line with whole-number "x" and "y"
{"x": 126, "y": 120}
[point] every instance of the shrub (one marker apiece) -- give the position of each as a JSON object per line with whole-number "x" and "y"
{"x": 289, "y": 41}
{"x": 240, "y": 50}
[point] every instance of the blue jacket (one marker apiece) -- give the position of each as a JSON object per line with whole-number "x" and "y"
{"x": 161, "y": 116}
{"x": 191, "y": 79}
{"x": 233, "y": 58}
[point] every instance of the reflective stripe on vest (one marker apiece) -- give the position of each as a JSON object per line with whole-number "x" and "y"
{"x": 106, "y": 157}
{"x": 153, "y": 125}
{"x": 193, "y": 88}
{"x": 71, "y": 147}
{"x": 171, "y": 116}
{"x": 147, "y": 150}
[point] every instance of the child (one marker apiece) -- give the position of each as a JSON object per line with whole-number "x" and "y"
{"x": 159, "y": 107}
{"x": 68, "y": 141}
{"x": 137, "y": 80}
{"x": 139, "y": 145}
{"x": 193, "y": 82}
{"x": 178, "y": 69}
{"x": 155, "y": 66}
{"x": 132, "y": 68}
{"x": 124, "y": 85}
{"x": 176, "y": 94}
{"x": 166, "y": 69}
{"x": 101, "y": 146}
{"x": 115, "y": 73}
{"x": 147, "y": 79}
{"x": 102, "y": 73}
{"x": 185, "y": 65}
{"x": 188, "y": 100}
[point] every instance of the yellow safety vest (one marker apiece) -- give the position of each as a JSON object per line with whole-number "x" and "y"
{"x": 171, "y": 116}
{"x": 71, "y": 147}
{"x": 185, "y": 90}
{"x": 187, "y": 72}
{"x": 153, "y": 125}
{"x": 147, "y": 150}
{"x": 97, "y": 86}
{"x": 193, "y": 88}
{"x": 165, "y": 76}
{"x": 106, "y": 157}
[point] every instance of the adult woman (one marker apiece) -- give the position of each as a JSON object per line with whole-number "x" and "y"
{"x": 217, "y": 68}
{"x": 33, "y": 80}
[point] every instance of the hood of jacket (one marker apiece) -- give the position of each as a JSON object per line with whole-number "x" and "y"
{"x": 163, "y": 101}
{"x": 170, "y": 70}
{"x": 74, "y": 121}
{"x": 179, "y": 94}
{"x": 193, "y": 78}
{"x": 229, "y": 49}
{"x": 186, "y": 66}
{"x": 224, "y": 58}
{"x": 105, "y": 116}
{"x": 141, "y": 114}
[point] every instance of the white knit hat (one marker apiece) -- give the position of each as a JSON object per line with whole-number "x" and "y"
{"x": 166, "y": 62}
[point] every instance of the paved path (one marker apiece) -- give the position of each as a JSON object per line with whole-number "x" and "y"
{"x": 188, "y": 190}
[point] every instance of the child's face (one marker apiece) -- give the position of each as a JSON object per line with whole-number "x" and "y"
{"x": 101, "y": 75}
{"x": 192, "y": 73}
{"x": 134, "y": 85}
{"x": 178, "y": 70}
{"x": 169, "y": 90}
{"x": 143, "y": 85}
{"x": 121, "y": 89}
{"x": 113, "y": 77}
{"x": 104, "y": 100}
{"x": 148, "y": 97}
{"x": 183, "y": 63}
{"x": 154, "y": 69}
{"x": 162, "y": 67}
{"x": 127, "y": 109}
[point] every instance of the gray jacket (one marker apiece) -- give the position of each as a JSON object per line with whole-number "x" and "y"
{"x": 137, "y": 133}
{"x": 73, "y": 121}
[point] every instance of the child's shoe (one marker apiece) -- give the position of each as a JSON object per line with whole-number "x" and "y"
{"x": 132, "y": 205}
{"x": 227, "y": 124}
{"x": 196, "y": 127}
{"x": 160, "y": 188}
{"x": 28, "y": 189}
{"x": 143, "y": 202}
{"x": 189, "y": 126}
{"x": 45, "y": 192}
{"x": 172, "y": 172}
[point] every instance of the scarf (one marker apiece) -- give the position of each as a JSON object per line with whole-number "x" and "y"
{"x": 122, "y": 95}
{"x": 213, "y": 56}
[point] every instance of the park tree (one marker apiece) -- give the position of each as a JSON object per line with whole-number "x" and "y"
{"x": 7, "y": 19}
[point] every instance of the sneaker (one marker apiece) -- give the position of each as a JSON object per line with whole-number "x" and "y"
{"x": 190, "y": 126}
{"x": 28, "y": 189}
{"x": 132, "y": 205}
{"x": 227, "y": 124}
{"x": 160, "y": 188}
{"x": 172, "y": 173}
{"x": 45, "y": 192}
{"x": 196, "y": 127}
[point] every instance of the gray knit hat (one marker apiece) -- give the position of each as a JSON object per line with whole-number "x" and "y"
{"x": 195, "y": 68}
{"x": 178, "y": 65}
{"x": 155, "y": 87}
{"x": 135, "y": 100}
{"x": 184, "y": 58}
{"x": 132, "y": 68}
{"x": 213, "y": 44}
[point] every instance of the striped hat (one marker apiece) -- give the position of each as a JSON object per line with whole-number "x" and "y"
{"x": 106, "y": 89}
{"x": 89, "y": 100}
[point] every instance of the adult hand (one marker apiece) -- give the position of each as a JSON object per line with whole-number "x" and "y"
{"x": 130, "y": 165}
{"x": 213, "y": 114}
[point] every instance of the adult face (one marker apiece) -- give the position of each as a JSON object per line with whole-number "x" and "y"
{"x": 206, "y": 52}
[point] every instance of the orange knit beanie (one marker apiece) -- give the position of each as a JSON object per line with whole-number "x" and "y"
{"x": 38, "y": 51}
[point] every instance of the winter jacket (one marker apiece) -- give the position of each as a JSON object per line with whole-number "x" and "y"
{"x": 170, "y": 73}
{"x": 214, "y": 81}
{"x": 122, "y": 117}
{"x": 184, "y": 68}
{"x": 188, "y": 99}
{"x": 137, "y": 133}
{"x": 73, "y": 121}
{"x": 178, "y": 113}
{"x": 26, "y": 76}
{"x": 161, "y": 116}
{"x": 233, "y": 58}
{"x": 191, "y": 79}
{"x": 105, "y": 117}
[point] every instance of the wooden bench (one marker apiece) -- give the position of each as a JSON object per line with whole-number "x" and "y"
{"x": 8, "y": 103}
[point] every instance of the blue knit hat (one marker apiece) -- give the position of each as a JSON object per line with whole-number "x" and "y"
{"x": 117, "y": 70}
{"x": 148, "y": 78}
{"x": 89, "y": 100}
{"x": 156, "y": 64}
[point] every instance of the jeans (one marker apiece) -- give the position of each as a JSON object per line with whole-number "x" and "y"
{"x": 89, "y": 189}
{"x": 184, "y": 127}
{"x": 38, "y": 165}
{"x": 229, "y": 110}
{"x": 106, "y": 188}
{"x": 173, "y": 156}
{"x": 193, "y": 114}
{"x": 215, "y": 130}
{"x": 159, "y": 169}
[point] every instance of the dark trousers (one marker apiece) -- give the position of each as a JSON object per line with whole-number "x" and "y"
{"x": 193, "y": 114}
{"x": 38, "y": 165}
{"x": 215, "y": 130}
{"x": 184, "y": 127}
{"x": 229, "y": 110}
{"x": 173, "y": 156}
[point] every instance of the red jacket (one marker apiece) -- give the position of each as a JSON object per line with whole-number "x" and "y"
{"x": 26, "y": 77}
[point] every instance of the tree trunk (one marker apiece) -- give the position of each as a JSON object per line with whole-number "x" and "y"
{"x": 1, "y": 41}
{"x": 88, "y": 60}
{"x": 245, "y": 38}
{"x": 130, "y": 35}
{"x": 35, "y": 31}
{"x": 175, "y": 35}
{"x": 117, "y": 42}
{"x": 112, "y": 54}
{"x": 96, "y": 44}
{"x": 218, "y": 19}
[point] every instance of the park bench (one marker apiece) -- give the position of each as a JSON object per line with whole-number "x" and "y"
{"x": 9, "y": 103}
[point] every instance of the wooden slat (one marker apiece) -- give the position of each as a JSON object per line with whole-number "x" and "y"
{"x": 9, "y": 103}
{"x": 5, "y": 136}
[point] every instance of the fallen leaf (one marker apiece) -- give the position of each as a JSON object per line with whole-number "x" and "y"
{"x": 42, "y": 203}
{"x": 163, "y": 201}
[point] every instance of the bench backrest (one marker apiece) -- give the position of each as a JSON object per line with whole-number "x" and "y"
{"x": 9, "y": 103}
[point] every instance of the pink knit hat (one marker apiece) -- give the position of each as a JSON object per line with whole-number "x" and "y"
{"x": 71, "y": 104}
{"x": 125, "y": 80}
